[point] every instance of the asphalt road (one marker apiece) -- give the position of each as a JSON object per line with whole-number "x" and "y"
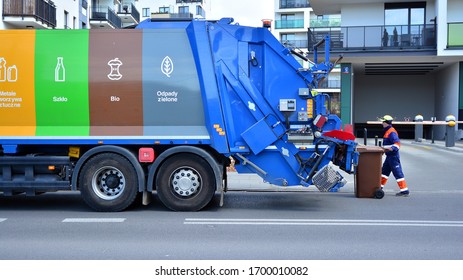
{"x": 271, "y": 223}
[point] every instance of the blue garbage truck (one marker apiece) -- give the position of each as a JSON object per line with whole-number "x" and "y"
{"x": 163, "y": 108}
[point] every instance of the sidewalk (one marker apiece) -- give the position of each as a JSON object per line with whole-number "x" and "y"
{"x": 254, "y": 183}
{"x": 439, "y": 144}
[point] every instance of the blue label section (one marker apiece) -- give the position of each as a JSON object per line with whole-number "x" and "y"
{"x": 172, "y": 102}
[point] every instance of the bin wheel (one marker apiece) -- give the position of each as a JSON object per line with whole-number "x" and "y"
{"x": 379, "y": 194}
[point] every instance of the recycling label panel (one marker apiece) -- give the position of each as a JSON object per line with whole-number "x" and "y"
{"x": 171, "y": 92}
{"x": 115, "y": 86}
{"x": 61, "y": 79}
{"x": 17, "y": 103}
{"x": 99, "y": 82}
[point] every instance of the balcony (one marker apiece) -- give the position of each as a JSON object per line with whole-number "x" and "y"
{"x": 329, "y": 22}
{"x": 104, "y": 18}
{"x": 129, "y": 14}
{"x": 289, "y": 24}
{"x": 182, "y": 16}
{"x": 455, "y": 35}
{"x": 291, "y": 4}
{"x": 381, "y": 38}
{"x": 295, "y": 44}
{"x": 189, "y": 1}
{"x": 30, "y": 13}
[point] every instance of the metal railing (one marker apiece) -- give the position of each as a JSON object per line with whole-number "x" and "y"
{"x": 103, "y": 13}
{"x": 189, "y": 1}
{"x": 132, "y": 10}
{"x": 377, "y": 37}
{"x": 455, "y": 35}
{"x": 288, "y": 4}
{"x": 289, "y": 24}
{"x": 327, "y": 22}
{"x": 41, "y": 10}
{"x": 295, "y": 43}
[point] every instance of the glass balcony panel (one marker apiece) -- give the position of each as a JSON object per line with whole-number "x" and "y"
{"x": 455, "y": 34}
{"x": 289, "y": 24}
{"x": 380, "y": 37}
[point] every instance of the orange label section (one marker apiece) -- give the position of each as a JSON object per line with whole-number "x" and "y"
{"x": 17, "y": 102}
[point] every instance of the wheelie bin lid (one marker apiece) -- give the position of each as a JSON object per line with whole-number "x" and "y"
{"x": 369, "y": 149}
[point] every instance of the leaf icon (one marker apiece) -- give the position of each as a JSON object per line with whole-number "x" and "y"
{"x": 167, "y": 66}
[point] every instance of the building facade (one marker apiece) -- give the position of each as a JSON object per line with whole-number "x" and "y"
{"x": 292, "y": 22}
{"x": 402, "y": 58}
{"x": 94, "y": 14}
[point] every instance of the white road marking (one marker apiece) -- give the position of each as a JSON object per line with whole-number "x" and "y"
{"x": 2, "y": 219}
{"x": 93, "y": 220}
{"x": 321, "y": 222}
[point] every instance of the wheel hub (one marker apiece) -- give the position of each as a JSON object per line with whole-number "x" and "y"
{"x": 108, "y": 183}
{"x": 185, "y": 182}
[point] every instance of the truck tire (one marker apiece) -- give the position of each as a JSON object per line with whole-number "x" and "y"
{"x": 185, "y": 182}
{"x": 108, "y": 182}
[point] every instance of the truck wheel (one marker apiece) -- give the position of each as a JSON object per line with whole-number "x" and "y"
{"x": 108, "y": 182}
{"x": 185, "y": 182}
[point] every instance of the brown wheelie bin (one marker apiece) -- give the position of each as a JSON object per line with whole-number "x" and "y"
{"x": 368, "y": 174}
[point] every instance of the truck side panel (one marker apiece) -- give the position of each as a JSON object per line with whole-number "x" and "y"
{"x": 17, "y": 104}
{"x": 61, "y": 82}
{"x": 115, "y": 66}
{"x": 94, "y": 86}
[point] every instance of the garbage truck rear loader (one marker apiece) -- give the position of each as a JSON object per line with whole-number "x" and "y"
{"x": 162, "y": 107}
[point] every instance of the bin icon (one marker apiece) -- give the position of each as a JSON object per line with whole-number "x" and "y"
{"x": 367, "y": 182}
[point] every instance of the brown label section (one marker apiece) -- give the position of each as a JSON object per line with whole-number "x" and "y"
{"x": 115, "y": 85}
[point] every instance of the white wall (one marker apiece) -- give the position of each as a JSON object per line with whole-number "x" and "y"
{"x": 446, "y": 97}
{"x": 362, "y": 14}
{"x": 455, "y": 11}
{"x": 73, "y": 9}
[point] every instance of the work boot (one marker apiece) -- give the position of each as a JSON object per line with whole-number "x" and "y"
{"x": 404, "y": 193}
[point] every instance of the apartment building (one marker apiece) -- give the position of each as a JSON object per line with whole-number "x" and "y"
{"x": 293, "y": 20}
{"x": 173, "y": 8}
{"x": 94, "y": 14}
{"x": 41, "y": 14}
{"x": 403, "y": 58}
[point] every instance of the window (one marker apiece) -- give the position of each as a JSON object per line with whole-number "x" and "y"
{"x": 164, "y": 10}
{"x": 183, "y": 10}
{"x": 405, "y": 21}
{"x": 288, "y": 37}
{"x": 145, "y": 12}
{"x": 200, "y": 11}
{"x": 288, "y": 17}
{"x": 66, "y": 14}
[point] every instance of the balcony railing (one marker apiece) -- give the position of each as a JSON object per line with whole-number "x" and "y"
{"x": 41, "y": 10}
{"x": 295, "y": 43}
{"x": 289, "y": 24}
{"x": 289, "y": 4}
{"x": 330, "y": 84}
{"x": 389, "y": 37}
{"x": 455, "y": 35}
{"x": 102, "y": 13}
{"x": 329, "y": 22}
{"x": 189, "y": 1}
{"x": 172, "y": 15}
{"x": 130, "y": 9}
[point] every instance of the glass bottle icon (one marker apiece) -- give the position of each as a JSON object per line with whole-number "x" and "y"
{"x": 2, "y": 69}
{"x": 60, "y": 72}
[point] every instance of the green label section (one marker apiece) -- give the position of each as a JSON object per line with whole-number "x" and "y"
{"x": 61, "y": 84}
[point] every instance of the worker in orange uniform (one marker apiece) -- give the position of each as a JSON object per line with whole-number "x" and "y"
{"x": 391, "y": 145}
